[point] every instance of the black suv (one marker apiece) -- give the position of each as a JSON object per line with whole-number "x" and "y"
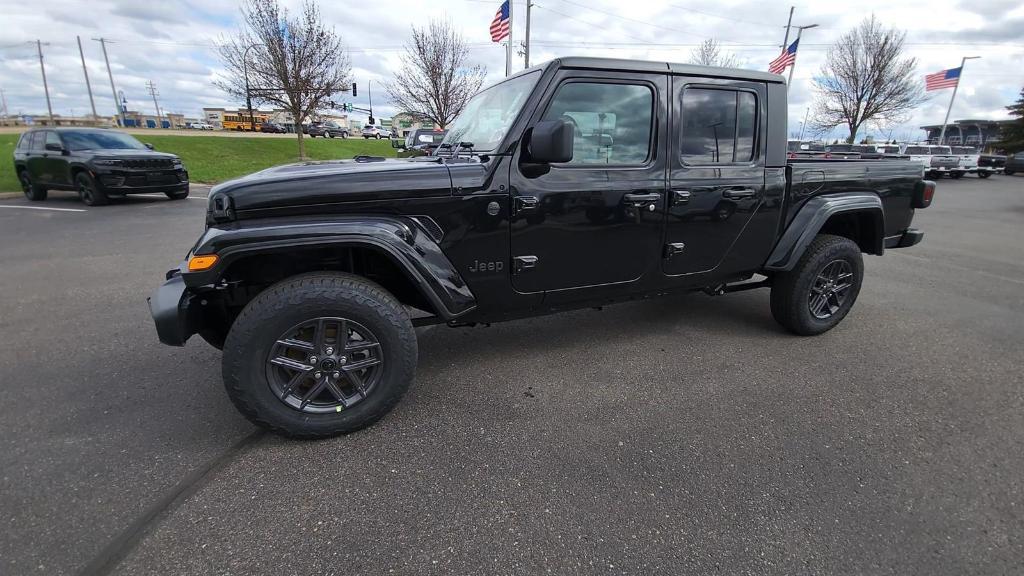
{"x": 99, "y": 164}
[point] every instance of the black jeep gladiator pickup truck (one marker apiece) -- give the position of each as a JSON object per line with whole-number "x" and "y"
{"x": 576, "y": 183}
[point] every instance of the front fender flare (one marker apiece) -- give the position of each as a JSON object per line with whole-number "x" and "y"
{"x": 404, "y": 240}
{"x": 809, "y": 220}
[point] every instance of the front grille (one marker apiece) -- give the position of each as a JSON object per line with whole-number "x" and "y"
{"x": 148, "y": 163}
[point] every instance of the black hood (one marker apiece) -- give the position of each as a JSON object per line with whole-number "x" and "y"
{"x": 130, "y": 154}
{"x": 303, "y": 187}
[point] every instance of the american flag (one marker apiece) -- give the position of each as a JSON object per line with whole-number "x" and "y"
{"x": 499, "y": 26}
{"x": 940, "y": 80}
{"x": 787, "y": 58}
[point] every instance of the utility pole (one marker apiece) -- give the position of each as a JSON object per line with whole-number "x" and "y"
{"x": 942, "y": 134}
{"x": 113, "y": 91}
{"x": 799, "y": 32}
{"x": 508, "y": 44}
{"x": 804, "y": 123}
{"x": 369, "y": 94}
{"x": 526, "y": 46}
{"x": 85, "y": 71}
{"x": 151, "y": 88}
{"x": 3, "y": 103}
{"x": 46, "y": 89}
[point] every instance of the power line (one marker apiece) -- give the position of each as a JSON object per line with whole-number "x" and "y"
{"x": 564, "y": 15}
{"x": 628, "y": 19}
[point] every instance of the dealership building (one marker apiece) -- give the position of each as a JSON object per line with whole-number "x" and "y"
{"x": 982, "y": 133}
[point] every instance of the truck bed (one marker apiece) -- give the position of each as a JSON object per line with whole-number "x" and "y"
{"x": 892, "y": 180}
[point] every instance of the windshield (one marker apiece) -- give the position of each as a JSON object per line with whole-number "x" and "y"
{"x": 101, "y": 140}
{"x": 430, "y": 137}
{"x": 490, "y": 113}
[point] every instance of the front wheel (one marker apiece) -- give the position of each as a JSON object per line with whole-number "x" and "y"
{"x": 328, "y": 135}
{"x": 1009, "y": 172}
{"x": 984, "y": 174}
{"x": 344, "y": 135}
{"x": 33, "y": 192}
{"x": 820, "y": 290}
{"x": 319, "y": 354}
{"x": 88, "y": 192}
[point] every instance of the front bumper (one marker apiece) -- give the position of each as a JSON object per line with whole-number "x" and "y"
{"x": 173, "y": 311}
{"x": 118, "y": 181}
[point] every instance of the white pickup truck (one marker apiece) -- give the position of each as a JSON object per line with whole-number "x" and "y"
{"x": 937, "y": 160}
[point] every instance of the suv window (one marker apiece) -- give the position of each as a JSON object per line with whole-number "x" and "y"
{"x": 719, "y": 126}
{"x": 53, "y": 138}
{"x": 24, "y": 140}
{"x": 612, "y": 123}
{"x": 38, "y": 138}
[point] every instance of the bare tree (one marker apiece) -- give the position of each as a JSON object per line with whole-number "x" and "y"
{"x": 709, "y": 53}
{"x": 866, "y": 79}
{"x": 435, "y": 81}
{"x": 294, "y": 62}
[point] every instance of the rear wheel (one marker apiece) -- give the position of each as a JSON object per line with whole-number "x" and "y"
{"x": 344, "y": 135}
{"x": 985, "y": 174}
{"x": 319, "y": 354}
{"x": 820, "y": 290}
{"x": 88, "y": 192}
{"x": 33, "y": 192}
{"x": 328, "y": 135}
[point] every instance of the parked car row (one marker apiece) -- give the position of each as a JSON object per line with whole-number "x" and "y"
{"x": 938, "y": 161}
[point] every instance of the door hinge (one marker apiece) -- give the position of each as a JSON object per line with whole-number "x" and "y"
{"x": 523, "y": 203}
{"x": 674, "y": 248}
{"x": 521, "y": 264}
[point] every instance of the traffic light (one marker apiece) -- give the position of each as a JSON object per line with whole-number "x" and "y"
{"x": 371, "y": 120}
{"x": 354, "y": 91}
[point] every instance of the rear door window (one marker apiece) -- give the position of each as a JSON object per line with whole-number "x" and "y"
{"x": 38, "y": 140}
{"x": 53, "y": 138}
{"x": 719, "y": 126}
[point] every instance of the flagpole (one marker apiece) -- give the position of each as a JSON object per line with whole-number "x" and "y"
{"x": 785, "y": 41}
{"x": 508, "y": 45}
{"x": 799, "y": 33}
{"x": 956, "y": 87}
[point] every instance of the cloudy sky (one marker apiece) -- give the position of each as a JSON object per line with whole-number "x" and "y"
{"x": 172, "y": 44}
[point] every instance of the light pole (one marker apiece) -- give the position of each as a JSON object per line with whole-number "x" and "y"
{"x": 942, "y": 134}
{"x": 248, "y": 97}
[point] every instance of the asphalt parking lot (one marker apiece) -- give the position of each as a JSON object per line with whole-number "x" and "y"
{"x": 687, "y": 435}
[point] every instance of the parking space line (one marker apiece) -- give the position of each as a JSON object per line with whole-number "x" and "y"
{"x": 43, "y": 208}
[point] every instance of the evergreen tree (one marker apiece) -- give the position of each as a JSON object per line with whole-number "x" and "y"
{"x": 1013, "y": 133}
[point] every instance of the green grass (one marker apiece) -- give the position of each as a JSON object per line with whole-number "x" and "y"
{"x": 212, "y": 159}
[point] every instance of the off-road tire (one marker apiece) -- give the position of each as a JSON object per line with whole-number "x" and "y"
{"x": 88, "y": 191}
{"x": 34, "y": 192}
{"x": 305, "y": 297}
{"x": 791, "y": 291}
{"x": 177, "y": 195}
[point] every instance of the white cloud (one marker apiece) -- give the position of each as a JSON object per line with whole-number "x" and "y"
{"x": 170, "y": 43}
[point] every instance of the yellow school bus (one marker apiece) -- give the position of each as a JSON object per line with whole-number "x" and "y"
{"x": 243, "y": 122}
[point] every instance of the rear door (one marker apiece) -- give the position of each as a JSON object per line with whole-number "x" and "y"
{"x": 597, "y": 219}
{"x": 716, "y": 170}
{"x": 36, "y": 162}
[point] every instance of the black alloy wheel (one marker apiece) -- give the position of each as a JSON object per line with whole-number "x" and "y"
{"x": 88, "y": 192}
{"x": 325, "y": 365}
{"x": 32, "y": 192}
{"x": 829, "y": 289}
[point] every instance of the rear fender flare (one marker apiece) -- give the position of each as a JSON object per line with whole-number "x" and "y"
{"x": 408, "y": 243}
{"x": 813, "y": 215}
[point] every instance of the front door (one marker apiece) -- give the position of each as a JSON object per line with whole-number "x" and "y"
{"x": 716, "y": 174}
{"x": 597, "y": 219}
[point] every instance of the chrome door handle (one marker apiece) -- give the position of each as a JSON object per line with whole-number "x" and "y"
{"x": 736, "y": 194}
{"x": 680, "y": 197}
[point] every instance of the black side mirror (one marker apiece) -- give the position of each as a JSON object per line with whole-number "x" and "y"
{"x": 52, "y": 147}
{"x": 550, "y": 141}
{"x": 148, "y": 145}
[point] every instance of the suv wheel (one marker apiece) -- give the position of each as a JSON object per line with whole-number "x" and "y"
{"x": 33, "y": 192}
{"x": 319, "y": 354}
{"x": 820, "y": 290}
{"x": 378, "y": 136}
{"x": 344, "y": 135}
{"x": 956, "y": 175}
{"x": 328, "y": 134}
{"x": 88, "y": 192}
